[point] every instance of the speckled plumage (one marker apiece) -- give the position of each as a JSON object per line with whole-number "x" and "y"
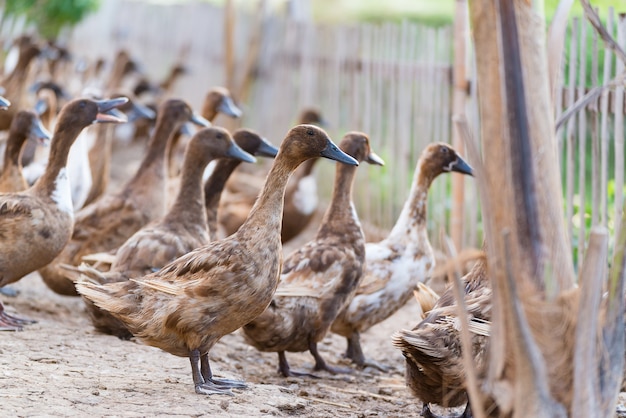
{"x": 180, "y": 231}
{"x": 188, "y": 305}
{"x": 434, "y": 362}
{"x": 319, "y": 278}
{"x": 111, "y": 220}
{"x": 397, "y": 263}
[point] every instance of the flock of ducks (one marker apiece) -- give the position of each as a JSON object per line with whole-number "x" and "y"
{"x": 179, "y": 273}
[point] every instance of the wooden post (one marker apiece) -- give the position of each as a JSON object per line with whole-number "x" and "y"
{"x": 458, "y": 108}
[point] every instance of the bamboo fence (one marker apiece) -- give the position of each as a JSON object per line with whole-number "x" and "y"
{"x": 392, "y": 81}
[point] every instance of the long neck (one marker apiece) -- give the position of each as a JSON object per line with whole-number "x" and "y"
{"x": 13, "y": 151}
{"x": 213, "y": 188}
{"x": 340, "y": 212}
{"x": 15, "y": 81}
{"x": 188, "y": 207}
{"x": 153, "y": 163}
{"x": 64, "y": 136}
{"x": 265, "y": 218}
{"x": 413, "y": 215}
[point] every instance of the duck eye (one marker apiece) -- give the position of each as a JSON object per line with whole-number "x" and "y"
{"x": 219, "y": 136}
{"x": 444, "y": 150}
{"x": 310, "y": 132}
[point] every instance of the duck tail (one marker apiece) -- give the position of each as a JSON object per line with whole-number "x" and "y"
{"x": 99, "y": 294}
{"x": 82, "y": 273}
{"x": 426, "y": 299}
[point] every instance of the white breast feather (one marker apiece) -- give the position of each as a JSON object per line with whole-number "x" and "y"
{"x": 62, "y": 194}
{"x": 305, "y": 197}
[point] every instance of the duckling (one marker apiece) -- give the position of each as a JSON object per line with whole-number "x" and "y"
{"x": 36, "y": 224}
{"x": 395, "y": 264}
{"x": 188, "y": 305}
{"x": 217, "y": 100}
{"x": 184, "y": 227}
{"x": 25, "y": 125}
{"x": 319, "y": 278}
{"x": 250, "y": 142}
{"x": 434, "y": 364}
{"x": 111, "y": 220}
{"x": 301, "y": 199}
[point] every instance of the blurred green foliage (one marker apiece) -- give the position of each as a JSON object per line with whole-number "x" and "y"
{"x": 50, "y": 16}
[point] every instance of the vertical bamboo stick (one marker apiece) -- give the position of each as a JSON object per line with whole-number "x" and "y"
{"x": 458, "y": 109}
{"x": 582, "y": 142}
{"x": 595, "y": 140}
{"x": 619, "y": 126}
{"x": 570, "y": 161}
{"x": 604, "y": 128}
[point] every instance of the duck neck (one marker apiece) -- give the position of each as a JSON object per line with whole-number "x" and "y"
{"x": 213, "y": 188}
{"x": 188, "y": 207}
{"x": 13, "y": 151}
{"x": 412, "y": 219}
{"x": 266, "y": 216}
{"x": 153, "y": 163}
{"x": 64, "y": 136}
{"x": 15, "y": 81}
{"x": 341, "y": 211}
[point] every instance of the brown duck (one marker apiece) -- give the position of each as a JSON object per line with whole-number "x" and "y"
{"x": 35, "y": 224}
{"x": 319, "y": 278}
{"x": 111, "y": 220}
{"x": 188, "y": 305}
{"x": 25, "y": 125}
{"x": 396, "y": 264}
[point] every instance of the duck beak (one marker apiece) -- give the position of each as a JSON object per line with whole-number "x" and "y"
{"x": 105, "y": 111}
{"x": 4, "y": 103}
{"x": 40, "y": 132}
{"x": 139, "y": 111}
{"x": 41, "y": 106}
{"x": 266, "y": 149}
{"x": 186, "y": 129}
{"x": 234, "y": 151}
{"x": 333, "y": 152}
{"x": 199, "y": 120}
{"x": 227, "y": 107}
{"x": 460, "y": 166}
{"x": 373, "y": 158}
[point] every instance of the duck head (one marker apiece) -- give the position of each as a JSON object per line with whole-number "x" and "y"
{"x": 218, "y": 142}
{"x": 217, "y": 100}
{"x": 133, "y": 109}
{"x": 357, "y": 145}
{"x": 179, "y": 110}
{"x": 304, "y": 142}
{"x": 312, "y": 116}
{"x": 27, "y": 123}
{"x": 253, "y": 143}
{"x": 441, "y": 158}
{"x": 80, "y": 113}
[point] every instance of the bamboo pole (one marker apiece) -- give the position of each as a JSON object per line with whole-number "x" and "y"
{"x": 619, "y": 126}
{"x": 570, "y": 161}
{"x": 595, "y": 140}
{"x": 604, "y": 129}
{"x": 458, "y": 108}
{"x": 582, "y": 143}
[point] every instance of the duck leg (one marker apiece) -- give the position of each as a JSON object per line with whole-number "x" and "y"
{"x": 204, "y": 387}
{"x": 427, "y": 413}
{"x": 355, "y": 353}
{"x": 283, "y": 368}
{"x": 12, "y": 323}
{"x": 320, "y": 364}
{"x": 207, "y": 375}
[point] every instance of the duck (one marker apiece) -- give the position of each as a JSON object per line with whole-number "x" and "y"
{"x": 435, "y": 372}
{"x": 395, "y": 264}
{"x": 25, "y": 125}
{"x": 182, "y": 229}
{"x": 301, "y": 198}
{"x": 192, "y": 302}
{"x": 108, "y": 222}
{"x": 217, "y": 100}
{"x": 100, "y": 155}
{"x": 36, "y": 224}
{"x": 319, "y": 278}
{"x": 251, "y": 142}
{"x": 14, "y": 83}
